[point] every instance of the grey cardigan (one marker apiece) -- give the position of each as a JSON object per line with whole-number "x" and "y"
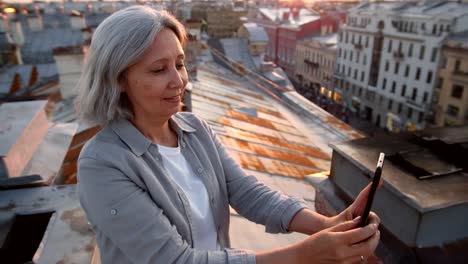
{"x": 140, "y": 215}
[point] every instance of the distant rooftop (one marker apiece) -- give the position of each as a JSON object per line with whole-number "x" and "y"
{"x": 421, "y": 8}
{"x": 257, "y": 33}
{"x": 276, "y": 14}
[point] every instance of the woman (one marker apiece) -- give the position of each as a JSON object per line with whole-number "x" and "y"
{"x": 156, "y": 184}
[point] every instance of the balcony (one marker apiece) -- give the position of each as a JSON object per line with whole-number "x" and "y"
{"x": 398, "y": 55}
{"x": 460, "y": 76}
{"x": 415, "y": 105}
{"x": 358, "y": 46}
{"x": 311, "y": 63}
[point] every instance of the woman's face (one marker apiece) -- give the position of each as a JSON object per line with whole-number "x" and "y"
{"x": 155, "y": 83}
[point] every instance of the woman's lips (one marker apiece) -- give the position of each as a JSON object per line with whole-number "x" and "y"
{"x": 173, "y": 99}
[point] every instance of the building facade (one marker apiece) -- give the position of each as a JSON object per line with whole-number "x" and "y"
{"x": 315, "y": 64}
{"x": 223, "y": 22}
{"x": 285, "y": 27}
{"x": 452, "y": 90}
{"x": 388, "y": 58}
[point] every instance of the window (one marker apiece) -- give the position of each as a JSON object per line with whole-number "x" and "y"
{"x": 418, "y": 73}
{"x": 429, "y": 77}
{"x": 390, "y": 104}
{"x": 421, "y": 52}
{"x": 452, "y": 110}
{"x": 387, "y": 65}
{"x": 397, "y": 67}
{"x": 393, "y": 87}
{"x": 425, "y": 95}
{"x": 403, "y": 90}
{"x": 349, "y": 72}
{"x": 339, "y": 52}
{"x": 365, "y": 59}
{"x": 352, "y": 38}
{"x": 420, "y": 117}
{"x": 345, "y": 54}
{"x": 346, "y": 37}
{"x": 400, "y": 108}
{"x": 355, "y": 74}
{"x": 410, "y": 50}
{"x": 457, "y": 66}
{"x": 410, "y": 113}
{"x": 367, "y": 41}
{"x": 457, "y": 91}
{"x": 434, "y": 29}
{"x": 351, "y": 56}
{"x": 362, "y": 76}
{"x": 415, "y": 94}
{"x": 390, "y": 46}
{"x": 407, "y": 70}
{"x": 358, "y": 55}
{"x": 384, "y": 83}
{"x": 434, "y": 54}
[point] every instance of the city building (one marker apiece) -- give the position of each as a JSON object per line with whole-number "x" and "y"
{"x": 223, "y": 21}
{"x": 256, "y": 36}
{"x": 286, "y": 26}
{"x": 452, "y": 90}
{"x": 388, "y": 58}
{"x": 315, "y": 65}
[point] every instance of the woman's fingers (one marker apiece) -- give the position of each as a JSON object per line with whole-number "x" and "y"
{"x": 345, "y": 226}
{"x": 366, "y": 247}
{"x": 374, "y": 219}
{"x": 358, "y": 234}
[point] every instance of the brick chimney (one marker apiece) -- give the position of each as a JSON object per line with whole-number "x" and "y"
{"x": 16, "y": 84}
{"x": 34, "y": 76}
{"x": 286, "y": 16}
{"x": 295, "y": 13}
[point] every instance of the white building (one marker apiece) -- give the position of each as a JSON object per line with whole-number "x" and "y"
{"x": 388, "y": 57}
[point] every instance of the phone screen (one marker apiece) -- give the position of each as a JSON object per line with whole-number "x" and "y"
{"x": 375, "y": 184}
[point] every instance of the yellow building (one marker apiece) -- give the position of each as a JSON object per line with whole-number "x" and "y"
{"x": 223, "y": 22}
{"x": 452, "y": 100}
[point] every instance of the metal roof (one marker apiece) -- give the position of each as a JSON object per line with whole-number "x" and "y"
{"x": 258, "y": 135}
{"x": 39, "y": 45}
{"x": 256, "y": 33}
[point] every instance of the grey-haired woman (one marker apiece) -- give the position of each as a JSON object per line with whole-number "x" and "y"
{"x": 156, "y": 184}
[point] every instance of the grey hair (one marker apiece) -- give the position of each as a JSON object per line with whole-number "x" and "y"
{"x": 118, "y": 42}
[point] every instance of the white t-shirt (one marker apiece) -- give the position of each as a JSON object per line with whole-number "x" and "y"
{"x": 204, "y": 229}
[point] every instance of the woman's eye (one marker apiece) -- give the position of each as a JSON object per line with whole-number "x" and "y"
{"x": 158, "y": 70}
{"x": 180, "y": 66}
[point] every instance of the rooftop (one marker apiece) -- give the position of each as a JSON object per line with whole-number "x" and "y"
{"x": 276, "y": 14}
{"x": 257, "y": 33}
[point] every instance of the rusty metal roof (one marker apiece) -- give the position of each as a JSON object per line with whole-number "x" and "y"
{"x": 253, "y": 127}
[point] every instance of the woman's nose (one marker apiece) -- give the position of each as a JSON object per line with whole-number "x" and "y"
{"x": 177, "y": 78}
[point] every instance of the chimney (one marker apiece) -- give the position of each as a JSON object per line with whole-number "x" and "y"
{"x": 35, "y": 22}
{"x": 77, "y": 20}
{"x": 4, "y": 25}
{"x": 34, "y": 76}
{"x": 285, "y": 15}
{"x": 15, "y": 85}
{"x": 17, "y": 32}
{"x": 295, "y": 13}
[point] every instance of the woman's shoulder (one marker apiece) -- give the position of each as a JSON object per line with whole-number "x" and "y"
{"x": 190, "y": 119}
{"x": 104, "y": 144}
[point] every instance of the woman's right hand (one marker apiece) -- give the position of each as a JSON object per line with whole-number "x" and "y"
{"x": 343, "y": 243}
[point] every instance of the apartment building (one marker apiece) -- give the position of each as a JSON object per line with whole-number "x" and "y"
{"x": 452, "y": 90}
{"x": 388, "y": 58}
{"x": 286, "y": 26}
{"x": 315, "y": 64}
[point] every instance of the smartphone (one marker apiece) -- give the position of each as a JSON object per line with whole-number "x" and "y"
{"x": 375, "y": 184}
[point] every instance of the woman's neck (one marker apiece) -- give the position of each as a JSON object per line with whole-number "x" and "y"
{"x": 157, "y": 130}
